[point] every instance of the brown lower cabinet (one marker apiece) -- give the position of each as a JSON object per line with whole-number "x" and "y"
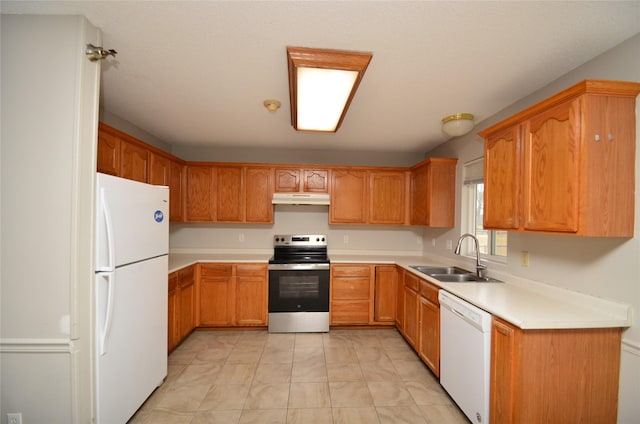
{"x": 384, "y": 293}
{"x": 350, "y": 294}
{"x": 411, "y": 301}
{"x": 429, "y": 326}
{"x": 181, "y": 307}
{"x": 172, "y": 327}
{"x": 554, "y": 376}
{"x": 232, "y": 295}
{"x": 537, "y": 376}
{"x": 363, "y": 294}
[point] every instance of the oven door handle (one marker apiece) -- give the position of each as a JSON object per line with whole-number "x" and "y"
{"x": 298, "y": 267}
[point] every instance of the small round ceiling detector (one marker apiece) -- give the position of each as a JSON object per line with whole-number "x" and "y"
{"x": 272, "y": 105}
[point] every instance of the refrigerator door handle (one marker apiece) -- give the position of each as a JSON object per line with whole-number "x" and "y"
{"x": 109, "y": 239}
{"x": 106, "y": 326}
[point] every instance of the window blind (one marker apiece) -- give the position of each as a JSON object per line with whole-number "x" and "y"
{"x": 474, "y": 172}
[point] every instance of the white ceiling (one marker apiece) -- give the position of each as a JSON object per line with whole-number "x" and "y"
{"x": 197, "y": 72}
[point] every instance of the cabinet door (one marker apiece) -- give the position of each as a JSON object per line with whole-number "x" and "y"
{"x": 608, "y": 186}
{"x": 259, "y": 194}
{"x": 172, "y": 327}
{"x": 432, "y": 192}
{"x": 400, "y": 301}
{"x": 315, "y": 180}
{"x": 251, "y": 294}
{"x": 349, "y": 193}
{"x": 387, "y": 197}
{"x": 134, "y": 162}
{"x": 287, "y": 180}
{"x": 176, "y": 195}
{"x": 159, "y": 170}
{"x": 217, "y": 292}
{"x": 108, "y": 153}
{"x": 200, "y": 202}
{"x": 502, "y": 176}
{"x": 384, "y": 309}
{"x": 551, "y": 169}
{"x": 411, "y": 316}
{"x": 429, "y": 334}
{"x": 230, "y": 194}
{"x": 187, "y": 293}
{"x": 503, "y": 373}
{"x": 420, "y": 193}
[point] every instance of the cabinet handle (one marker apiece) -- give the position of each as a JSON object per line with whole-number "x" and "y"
{"x": 597, "y": 137}
{"x": 610, "y": 137}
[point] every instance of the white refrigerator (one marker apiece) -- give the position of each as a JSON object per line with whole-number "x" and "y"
{"x": 132, "y": 236}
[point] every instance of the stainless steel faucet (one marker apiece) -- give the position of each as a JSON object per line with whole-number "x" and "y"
{"x": 480, "y": 269}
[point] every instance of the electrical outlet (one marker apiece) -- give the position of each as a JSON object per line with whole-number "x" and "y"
{"x": 14, "y": 418}
{"x": 345, "y": 239}
{"x": 241, "y": 237}
{"x": 433, "y": 242}
{"x": 524, "y": 258}
{"x": 419, "y": 240}
{"x": 449, "y": 245}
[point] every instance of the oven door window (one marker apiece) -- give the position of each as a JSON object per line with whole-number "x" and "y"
{"x": 299, "y": 291}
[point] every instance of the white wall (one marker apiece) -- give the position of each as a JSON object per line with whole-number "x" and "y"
{"x": 296, "y": 220}
{"x": 297, "y": 156}
{"x": 602, "y": 267}
{"x": 49, "y": 132}
{"x": 127, "y": 127}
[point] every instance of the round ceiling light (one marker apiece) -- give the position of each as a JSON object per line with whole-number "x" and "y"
{"x": 272, "y": 105}
{"x": 458, "y": 124}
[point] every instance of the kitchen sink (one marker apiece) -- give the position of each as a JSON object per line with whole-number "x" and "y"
{"x": 431, "y": 270}
{"x": 455, "y": 278}
{"x": 452, "y": 274}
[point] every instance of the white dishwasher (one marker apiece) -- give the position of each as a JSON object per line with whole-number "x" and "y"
{"x": 465, "y": 354}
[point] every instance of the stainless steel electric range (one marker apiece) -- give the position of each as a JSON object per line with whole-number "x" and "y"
{"x": 299, "y": 284}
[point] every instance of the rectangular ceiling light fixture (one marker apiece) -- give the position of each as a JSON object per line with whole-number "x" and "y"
{"x": 322, "y": 84}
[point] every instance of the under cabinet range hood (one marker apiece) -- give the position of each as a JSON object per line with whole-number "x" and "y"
{"x": 300, "y": 199}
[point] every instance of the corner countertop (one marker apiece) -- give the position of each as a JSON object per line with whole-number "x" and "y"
{"x": 180, "y": 260}
{"x": 528, "y": 305}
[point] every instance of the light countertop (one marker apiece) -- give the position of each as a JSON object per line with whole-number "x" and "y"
{"x": 530, "y": 305}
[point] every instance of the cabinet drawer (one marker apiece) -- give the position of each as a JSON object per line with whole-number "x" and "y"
{"x": 350, "y": 271}
{"x": 185, "y": 276}
{"x": 258, "y": 270}
{"x": 350, "y": 312}
{"x": 411, "y": 281}
{"x": 429, "y": 291}
{"x": 173, "y": 281}
{"x": 350, "y": 288}
{"x": 216, "y": 270}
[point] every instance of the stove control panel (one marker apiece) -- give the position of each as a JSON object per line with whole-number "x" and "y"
{"x": 300, "y": 240}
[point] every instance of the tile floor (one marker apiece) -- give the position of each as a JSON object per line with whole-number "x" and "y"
{"x": 344, "y": 376}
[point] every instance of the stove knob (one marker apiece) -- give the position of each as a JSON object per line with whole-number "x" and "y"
{"x": 317, "y": 239}
{"x": 322, "y": 238}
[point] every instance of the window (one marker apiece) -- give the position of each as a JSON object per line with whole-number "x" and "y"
{"x": 493, "y": 244}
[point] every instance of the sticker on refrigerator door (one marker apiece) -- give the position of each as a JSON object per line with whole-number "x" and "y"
{"x": 158, "y": 216}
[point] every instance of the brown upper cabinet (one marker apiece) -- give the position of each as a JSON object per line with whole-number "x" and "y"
{"x": 108, "y": 151}
{"x": 433, "y": 192}
{"x": 229, "y": 193}
{"x": 134, "y": 162}
{"x": 243, "y": 192}
{"x": 368, "y": 196}
{"x": 305, "y": 180}
{"x": 259, "y": 192}
{"x": 200, "y": 201}
{"x": 349, "y": 194}
{"x": 565, "y": 165}
{"x": 388, "y": 197}
{"x": 124, "y": 156}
